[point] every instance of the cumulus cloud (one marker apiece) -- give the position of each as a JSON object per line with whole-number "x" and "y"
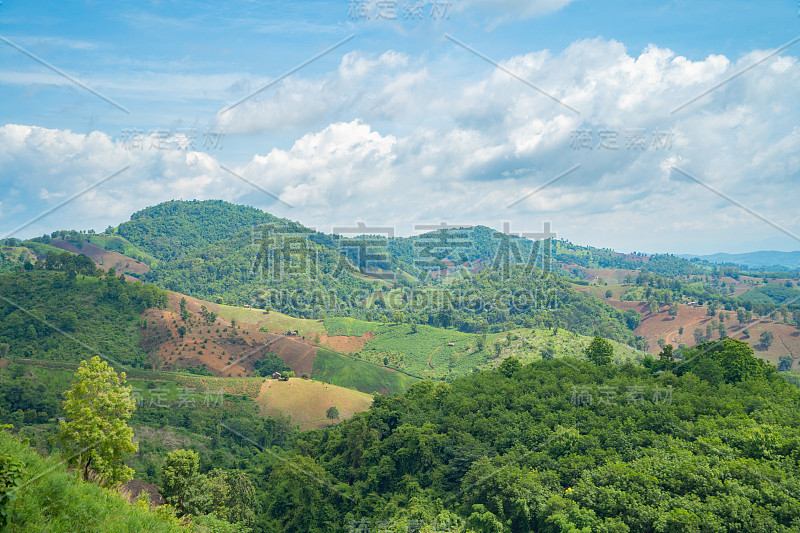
{"x": 40, "y": 168}
{"x": 388, "y": 142}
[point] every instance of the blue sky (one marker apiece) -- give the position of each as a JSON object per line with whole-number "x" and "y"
{"x": 401, "y": 125}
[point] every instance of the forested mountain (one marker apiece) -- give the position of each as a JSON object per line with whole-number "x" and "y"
{"x": 56, "y": 314}
{"x": 702, "y": 439}
{"x": 223, "y": 252}
{"x": 766, "y": 260}
{"x": 560, "y": 446}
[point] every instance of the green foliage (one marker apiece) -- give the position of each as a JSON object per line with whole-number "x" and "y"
{"x": 12, "y": 476}
{"x": 38, "y": 307}
{"x": 510, "y": 366}
{"x": 600, "y": 351}
{"x": 508, "y": 451}
{"x": 269, "y": 364}
{"x": 184, "y": 487}
{"x": 332, "y": 413}
{"x": 95, "y": 433}
{"x": 724, "y": 361}
{"x": 58, "y": 502}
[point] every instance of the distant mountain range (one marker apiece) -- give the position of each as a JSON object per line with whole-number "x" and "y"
{"x": 763, "y": 259}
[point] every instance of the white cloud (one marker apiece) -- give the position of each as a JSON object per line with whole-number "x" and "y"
{"x": 389, "y": 139}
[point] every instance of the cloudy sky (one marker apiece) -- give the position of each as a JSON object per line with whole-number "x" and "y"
{"x": 654, "y": 126}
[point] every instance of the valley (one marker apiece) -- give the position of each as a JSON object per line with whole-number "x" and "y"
{"x": 336, "y": 366}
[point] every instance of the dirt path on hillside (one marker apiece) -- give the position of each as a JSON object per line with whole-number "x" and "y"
{"x": 431, "y": 357}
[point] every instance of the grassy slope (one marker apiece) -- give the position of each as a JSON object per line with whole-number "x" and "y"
{"x": 338, "y": 369}
{"x": 427, "y": 353}
{"x": 307, "y": 401}
{"x": 54, "y": 500}
{"x": 117, "y": 243}
{"x": 273, "y": 321}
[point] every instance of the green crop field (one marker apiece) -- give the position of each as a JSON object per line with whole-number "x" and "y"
{"x": 427, "y": 353}
{"x": 337, "y": 369}
{"x": 351, "y": 326}
{"x": 272, "y": 321}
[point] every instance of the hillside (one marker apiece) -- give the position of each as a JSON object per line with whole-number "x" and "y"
{"x": 770, "y": 260}
{"x": 307, "y": 402}
{"x": 51, "y": 499}
{"x": 61, "y": 316}
{"x": 215, "y": 250}
{"x": 105, "y": 259}
{"x": 553, "y": 447}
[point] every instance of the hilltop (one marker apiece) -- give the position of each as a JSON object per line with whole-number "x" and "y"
{"x": 763, "y": 260}
{"x": 222, "y": 253}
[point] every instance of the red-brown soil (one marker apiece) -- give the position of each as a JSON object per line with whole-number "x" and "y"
{"x": 662, "y": 326}
{"x": 103, "y": 258}
{"x": 226, "y": 350}
{"x": 345, "y": 343}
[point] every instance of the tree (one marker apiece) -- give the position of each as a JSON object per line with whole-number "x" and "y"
{"x": 600, "y": 351}
{"x": 673, "y": 309}
{"x": 666, "y": 354}
{"x": 698, "y": 335}
{"x": 95, "y": 434}
{"x": 480, "y": 344}
{"x": 766, "y": 338}
{"x": 241, "y": 504}
{"x": 510, "y": 366}
{"x": 183, "y": 485}
{"x": 609, "y": 294}
{"x": 741, "y": 315}
{"x": 680, "y": 330}
{"x": 723, "y": 329}
{"x": 332, "y": 413}
{"x": 785, "y": 363}
{"x": 498, "y": 348}
{"x": 184, "y": 312}
{"x": 653, "y": 307}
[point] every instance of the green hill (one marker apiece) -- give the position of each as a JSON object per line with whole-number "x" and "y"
{"x": 772, "y": 294}
{"x": 59, "y": 315}
{"x": 51, "y": 499}
{"x": 214, "y": 249}
{"x": 554, "y": 447}
{"x": 427, "y": 352}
